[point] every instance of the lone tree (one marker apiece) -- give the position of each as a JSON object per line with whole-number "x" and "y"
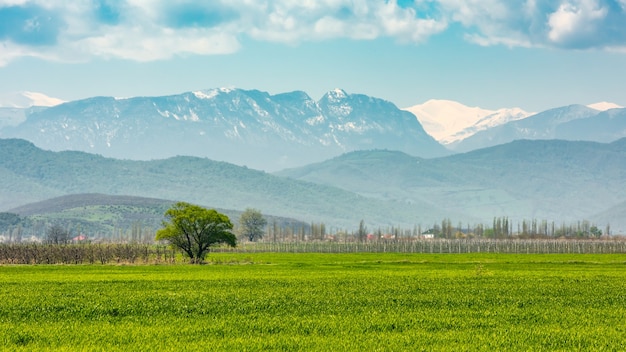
{"x": 251, "y": 224}
{"x": 194, "y": 230}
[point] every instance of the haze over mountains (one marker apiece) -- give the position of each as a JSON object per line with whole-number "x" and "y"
{"x": 554, "y": 180}
{"x": 374, "y": 160}
{"x": 462, "y": 128}
{"x": 273, "y": 132}
{"x": 574, "y": 123}
{"x": 30, "y": 175}
{"x": 27, "y": 100}
{"x": 449, "y": 121}
{"x": 557, "y": 181}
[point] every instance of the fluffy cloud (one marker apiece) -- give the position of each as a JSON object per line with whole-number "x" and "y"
{"x": 567, "y": 24}
{"x": 295, "y": 21}
{"x": 158, "y": 29}
{"x": 573, "y": 21}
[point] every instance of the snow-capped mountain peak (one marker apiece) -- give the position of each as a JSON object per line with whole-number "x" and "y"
{"x": 206, "y": 94}
{"x": 251, "y": 127}
{"x": 337, "y": 94}
{"x": 450, "y": 121}
{"x": 604, "y": 106}
{"x": 211, "y": 93}
{"x": 27, "y": 99}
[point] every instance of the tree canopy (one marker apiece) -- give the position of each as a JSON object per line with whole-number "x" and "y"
{"x": 194, "y": 229}
{"x": 251, "y": 224}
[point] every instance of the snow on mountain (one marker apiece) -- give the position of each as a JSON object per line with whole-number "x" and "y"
{"x": 544, "y": 125}
{"x": 27, "y": 99}
{"x": 246, "y": 127}
{"x": 604, "y": 106}
{"x": 449, "y": 121}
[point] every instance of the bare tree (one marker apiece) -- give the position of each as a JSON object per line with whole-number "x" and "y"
{"x": 56, "y": 234}
{"x": 362, "y": 233}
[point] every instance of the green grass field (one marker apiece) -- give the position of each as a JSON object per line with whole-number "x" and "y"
{"x": 321, "y": 302}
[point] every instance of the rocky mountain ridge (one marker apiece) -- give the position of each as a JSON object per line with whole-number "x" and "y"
{"x": 273, "y": 132}
{"x": 245, "y": 127}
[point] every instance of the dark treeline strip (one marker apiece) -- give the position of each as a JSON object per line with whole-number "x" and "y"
{"x": 158, "y": 254}
{"x": 112, "y": 253}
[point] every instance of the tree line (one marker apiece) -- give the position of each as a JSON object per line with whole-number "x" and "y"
{"x": 253, "y": 226}
{"x": 194, "y": 230}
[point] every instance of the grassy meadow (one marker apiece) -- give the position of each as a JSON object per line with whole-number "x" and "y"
{"x": 320, "y": 302}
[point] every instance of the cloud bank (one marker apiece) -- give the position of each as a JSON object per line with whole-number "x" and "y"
{"x": 564, "y": 24}
{"x": 145, "y": 30}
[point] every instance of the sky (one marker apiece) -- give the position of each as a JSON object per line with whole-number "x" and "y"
{"x": 533, "y": 54}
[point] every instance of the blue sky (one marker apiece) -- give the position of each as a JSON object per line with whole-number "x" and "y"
{"x": 533, "y": 54}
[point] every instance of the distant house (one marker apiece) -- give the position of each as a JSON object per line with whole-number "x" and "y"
{"x": 79, "y": 238}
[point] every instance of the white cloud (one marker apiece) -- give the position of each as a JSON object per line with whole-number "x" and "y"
{"x": 574, "y": 20}
{"x": 12, "y": 2}
{"x": 405, "y": 24}
{"x": 159, "y": 29}
{"x": 151, "y": 30}
{"x": 576, "y": 24}
{"x": 293, "y": 21}
{"x": 137, "y": 44}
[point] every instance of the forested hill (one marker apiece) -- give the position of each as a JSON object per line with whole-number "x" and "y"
{"x": 553, "y": 180}
{"x": 105, "y": 215}
{"x": 542, "y": 179}
{"x": 30, "y": 174}
{"x": 63, "y": 203}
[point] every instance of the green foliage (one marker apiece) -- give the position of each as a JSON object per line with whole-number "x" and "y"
{"x": 321, "y": 302}
{"x": 520, "y": 179}
{"x": 252, "y": 224}
{"x": 223, "y": 185}
{"x": 104, "y": 217}
{"x": 194, "y": 230}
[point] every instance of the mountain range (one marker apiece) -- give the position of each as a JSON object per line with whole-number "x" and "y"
{"x": 449, "y": 121}
{"x": 543, "y": 179}
{"x": 273, "y": 132}
{"x": 27, "y": 99}
{"x": 245, "y": 127}
{"x": 344, "y": 157}
{"x": 573, "y": 122}
{"x": 462, "y": 128}
{"x": 29, "y": 174}
{"x": 559, "y": 181}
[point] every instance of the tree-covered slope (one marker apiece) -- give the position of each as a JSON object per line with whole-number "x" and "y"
{"x": 197, "y": 180}
{"x": 102, "y": 216}
{"x": 557, "y": 180}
